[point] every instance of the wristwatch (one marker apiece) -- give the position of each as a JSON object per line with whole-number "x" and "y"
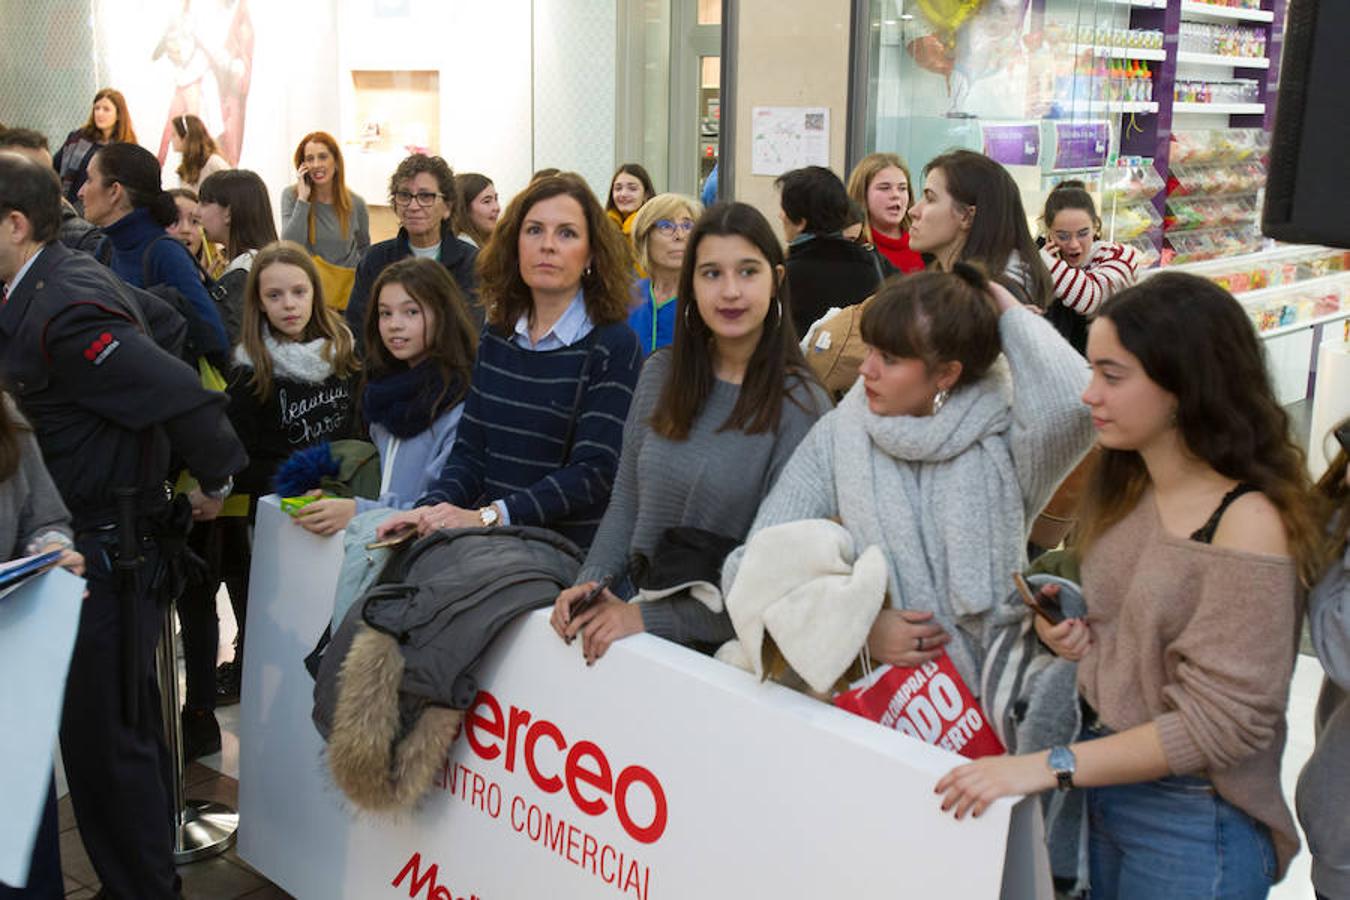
{"x": 1063, "y": 763}
{"x": 489, "y": 516}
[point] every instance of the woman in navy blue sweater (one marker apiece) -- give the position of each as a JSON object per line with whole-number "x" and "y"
{"x": 543, "y": 423}
{"x": 123, "y": 196}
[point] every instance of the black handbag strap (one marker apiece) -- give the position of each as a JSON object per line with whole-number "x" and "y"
{"x": 583, "y": 381}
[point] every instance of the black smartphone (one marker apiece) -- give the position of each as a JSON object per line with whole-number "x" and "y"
{"x": 1343, "y": 437}
{"x": 1041, "y": 604}
{"x": 591, "y": 597}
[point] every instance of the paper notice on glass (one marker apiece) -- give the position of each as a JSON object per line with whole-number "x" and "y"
{"x": 37, "y": 635}
{"x": 789, "y": 137}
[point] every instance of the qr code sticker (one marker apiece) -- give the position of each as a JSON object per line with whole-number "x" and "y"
{"x": 815, "y": 122}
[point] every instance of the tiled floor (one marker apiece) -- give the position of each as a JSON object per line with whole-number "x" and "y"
{"x": 225, "y": 877}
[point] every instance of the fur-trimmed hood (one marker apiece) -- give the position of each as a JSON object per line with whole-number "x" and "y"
{"x": 390, "y": 706}
{"x": 384, "y": 754}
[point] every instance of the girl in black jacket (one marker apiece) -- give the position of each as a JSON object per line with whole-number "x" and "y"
{"x": 291, "y": 386}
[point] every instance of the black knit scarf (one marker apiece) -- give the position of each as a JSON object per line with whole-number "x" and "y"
{"x": 408, "y": 401}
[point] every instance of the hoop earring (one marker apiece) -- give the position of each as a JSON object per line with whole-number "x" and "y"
{"x": 778, "y": 304}
{"x": 940, "y": 400}
{"x": 688, "y": 323}
{"x": 587, "y": 273}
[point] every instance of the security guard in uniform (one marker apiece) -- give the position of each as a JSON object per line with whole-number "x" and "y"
{"x": 108, "y": 407}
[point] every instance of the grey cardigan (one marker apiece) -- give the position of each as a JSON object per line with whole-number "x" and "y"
{"x": 329, "y": 241}
{"x": 714, "y": 480}
{"x": 30, "y": 507}
{"x": 1323, "y": 794}
{"x": 949, "y": 497}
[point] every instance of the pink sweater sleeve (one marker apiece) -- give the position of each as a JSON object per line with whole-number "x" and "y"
{"x": 1111, "y": 268}
{"x": 1228, "y": 671}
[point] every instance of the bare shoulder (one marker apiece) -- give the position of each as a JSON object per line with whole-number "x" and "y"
{"x": 1252, "y": 524}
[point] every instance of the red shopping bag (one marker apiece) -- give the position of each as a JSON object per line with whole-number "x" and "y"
{"x": 930, "y": 702}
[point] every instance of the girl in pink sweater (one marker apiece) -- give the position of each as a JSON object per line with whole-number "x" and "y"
{"x": 1196, "y": 535}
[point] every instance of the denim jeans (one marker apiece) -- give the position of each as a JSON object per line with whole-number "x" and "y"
{"x": 1175, "y": 838}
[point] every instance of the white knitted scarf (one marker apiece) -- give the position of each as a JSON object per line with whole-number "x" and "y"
{"x": 940, "y": 494}
{"x": 303, "y": 361}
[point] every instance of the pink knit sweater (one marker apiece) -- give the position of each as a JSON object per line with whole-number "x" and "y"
{"x": 1199, "y": 640}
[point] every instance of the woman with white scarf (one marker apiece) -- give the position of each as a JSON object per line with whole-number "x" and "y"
{"x": 941, "y": 454}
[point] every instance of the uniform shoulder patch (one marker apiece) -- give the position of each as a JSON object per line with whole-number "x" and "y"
{"x": 100, "y": 348}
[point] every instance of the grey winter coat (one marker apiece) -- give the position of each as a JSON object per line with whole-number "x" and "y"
{"x": 393, "y": 685}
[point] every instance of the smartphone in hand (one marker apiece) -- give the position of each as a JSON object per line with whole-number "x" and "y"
{"x": 591, "y": 597}
{"x": 1043, "y": 605}
{"x": 393, "y": 540}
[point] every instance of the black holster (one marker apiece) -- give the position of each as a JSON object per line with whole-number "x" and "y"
{"x": 129, "y": 561}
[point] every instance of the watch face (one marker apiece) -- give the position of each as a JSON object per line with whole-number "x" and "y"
{"x": 1061, "y": 760}
{"x": 489, "y": 515}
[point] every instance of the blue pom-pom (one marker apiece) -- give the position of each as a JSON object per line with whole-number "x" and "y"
{"x": 305, "y": 470}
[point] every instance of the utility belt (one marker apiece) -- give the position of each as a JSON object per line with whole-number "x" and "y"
{"x": 150, "y": 506}
{"x": 161, "y": 525}
{"x": 141, "y": 533}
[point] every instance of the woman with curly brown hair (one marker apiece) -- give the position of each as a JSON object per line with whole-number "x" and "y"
{"x": 422, "y": 193}
{"x": 1197, "y": 535}
{"x": 557, "y": 363}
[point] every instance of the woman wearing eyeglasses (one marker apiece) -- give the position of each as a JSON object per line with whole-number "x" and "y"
{"x": 660, "y": 233}
{"x": 422, "y": 192}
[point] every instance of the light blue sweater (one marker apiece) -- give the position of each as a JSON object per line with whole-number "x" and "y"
{"x": 408, "y": 465}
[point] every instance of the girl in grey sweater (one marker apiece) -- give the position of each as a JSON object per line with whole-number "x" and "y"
{"x": 942, "y": 455}
{"x": 712, "y": 423}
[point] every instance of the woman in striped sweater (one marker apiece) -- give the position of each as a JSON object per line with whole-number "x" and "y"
{"x": 1085, "y": 269}
{"x": 543, "y": 422}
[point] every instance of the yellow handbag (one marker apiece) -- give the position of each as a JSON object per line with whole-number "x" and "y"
{"x": 337, "y": 283}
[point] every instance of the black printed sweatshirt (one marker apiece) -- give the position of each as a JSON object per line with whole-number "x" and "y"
{"x": 307, "y": 404}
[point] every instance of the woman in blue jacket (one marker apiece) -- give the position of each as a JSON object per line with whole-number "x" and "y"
{"x": 123, "y": 196}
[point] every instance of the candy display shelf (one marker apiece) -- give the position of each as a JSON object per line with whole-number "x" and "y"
{"x": 1311, "y": 323}
{"x": 1219, "y": 109}
{"x": 1286, "y": 289}
{"x": 1110, "y": 107}
{"x": 1218, "y": 59}
{"x": 1247, "y": 44}
{"x": 1146, "y": 53}
{"x": 1211, "y": 11}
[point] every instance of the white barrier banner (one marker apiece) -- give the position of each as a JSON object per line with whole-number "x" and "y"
{"x": 657, "y": 774}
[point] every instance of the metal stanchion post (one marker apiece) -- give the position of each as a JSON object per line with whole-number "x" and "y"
{"x": 202, "y": 828}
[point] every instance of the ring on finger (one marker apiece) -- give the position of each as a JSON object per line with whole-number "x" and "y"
{"x": 918, "y": 643}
